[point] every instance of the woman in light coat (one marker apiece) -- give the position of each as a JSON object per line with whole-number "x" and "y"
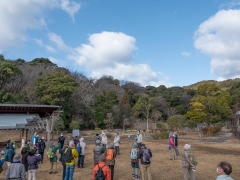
{"x": 104, "y": 141}
{"x": 82, "y": 154}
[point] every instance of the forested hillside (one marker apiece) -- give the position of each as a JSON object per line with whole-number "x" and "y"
{"x": 107, "y": 101}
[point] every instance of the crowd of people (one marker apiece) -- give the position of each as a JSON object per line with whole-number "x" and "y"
{"x": 104, "y": 157}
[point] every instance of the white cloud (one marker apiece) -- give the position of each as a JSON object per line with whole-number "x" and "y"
{"x": 57, "y": 40}
{"x": 48, "y": 47}
{"x": 219, "y": 37}
{"x": 111, "y": 53}
{"x": 55, "y": 61}
{"x": 17, "y": 17}
{"x": 186, "y": 54}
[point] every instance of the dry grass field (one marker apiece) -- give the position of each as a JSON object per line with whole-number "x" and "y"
{"x": 209, "y": 154}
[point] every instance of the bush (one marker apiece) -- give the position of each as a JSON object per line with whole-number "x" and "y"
{"x": 164, "y": 135}
{"x": 155, "y": 135}
{"x": 74, "y": 125}
{"x": 217, "y": 130}
{"x": 97, "y": 129}
{"x": 109, "y": 136}
{"x": 144, "y": 130}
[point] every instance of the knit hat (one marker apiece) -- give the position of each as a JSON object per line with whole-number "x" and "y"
{"x": 111, "y": 145}
{"x": 81, "y": 139}
{"x": 102, "y": 158}
{"x": 170, "y": 134}
{"x": 134, "y": 145}
{"x": 98, "y": 141}
{"x": 17, "y": 157}
{"x": 187, "y": 146}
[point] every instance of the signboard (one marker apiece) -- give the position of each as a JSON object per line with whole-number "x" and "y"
{"x": 75, "y": 132}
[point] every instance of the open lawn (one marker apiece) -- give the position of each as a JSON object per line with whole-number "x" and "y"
{"x": 208, "y": 154}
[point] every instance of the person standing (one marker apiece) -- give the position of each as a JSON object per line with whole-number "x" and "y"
{"x": 61, "y": 140}
{"x": 175, "y": 135}
{"x": 34, "y": 138}
{"x": 16, "y": 170}
{"x": 187, "y": 163}
{"x": 76, "y": 141}
{"x": 104, "y": 141}
{"x": 134, "y": 160}
{"x": 97, "y": 137}
{"x": 82, "y": 154}
{"x": 224, "y": 169}
{"x": 10, "y": 153}
{"x": 139, "y": 139}
{"x": 33, "y": 160}
{"x": 25, "y": 155}
{"x": 110, "y": 155}
{"x": 104, "y": 167}
{"x": 97, "y": 151}
{"x": 70, "y": 165}
{"x": 41, "y": 149}
{"x": 27, "y": 145}
{"x": 145, "y": 156}
{"x": 53, "y": 157}
{"x": 172, "y": 148}
{"x": 117, "y": 143}
{"x": 61, "y": 159}
{"x": 23, "y": 142}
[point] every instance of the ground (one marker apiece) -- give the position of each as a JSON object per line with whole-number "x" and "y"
{"x": 208, "y": 151}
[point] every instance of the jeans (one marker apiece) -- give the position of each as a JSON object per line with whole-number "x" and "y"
{"x": 81, "y": 160}
{"x": 69, "y": 172}
{"x": 32, "y": 174}
{"x": 104, "y": 146}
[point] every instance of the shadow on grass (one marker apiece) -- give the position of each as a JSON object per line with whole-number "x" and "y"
{"x": 215, "y": 150}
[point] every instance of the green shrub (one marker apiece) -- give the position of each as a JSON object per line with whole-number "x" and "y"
{"x": 155, "y": 135}
{"x": 97, "y": 129}
{"x": 217, "y": 130}
{"x": 164, "y": 135}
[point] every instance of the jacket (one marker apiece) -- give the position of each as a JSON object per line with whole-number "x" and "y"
{"x": 112, "y": 162}
{"x": 25, "y": 155}
{"x": 84, "y": 146}
{"x": 140, "y": 155}
{"x": 171, "y": 141}
{"x": 55, "y": 148}
{"x": 176, "y": 141}
{"x": 187, "y": 159}
{"x": 74, "y": 155}
{"x": 16, "y": 171}
{"x": 2, "y": 161}
{"x": 104, "y": 139}
{"x": 105, "y": 169}
{"x": 61, "y": 139}
{"x": 224, "y": 177}
{"x": 33, "y": 161}
{"x": 116, "y": 140}
{"x": 11, "y": 152}
{"x": 42, "y": 147}
{"x": 139, "y": 138}
{"x": 98, "y": 150}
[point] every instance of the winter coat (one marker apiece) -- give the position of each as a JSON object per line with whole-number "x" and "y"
{"x": 74, "y": 155}
{"x": 105, "y": 169}
{"x": 33, "y": 161}
{"x": 112, "y": 162}
{"x": 11, "y": 152}
{"x": 98, "y": 150}
{"x": 187, "y": 159}
{"x": 2, "y": 161}
{"x": 33, "y": 139}
{"x": 171, "y": 141}
{"x": 139, "y": 138}
{"x": 55, "y": 148}
{"x": 224, "y": 177}
{"x": 104, "y": 139}
{"x": 25, "y": 155}
{"x": 140, "y": 155}
{"x": 16, "y": 170}
{"x": 42, "y": 147}
{"x": 116, "y": 140}
{"x": 84, "y": 146}
{"x": 176, "y": 141}
{"x": 61, "y": 139}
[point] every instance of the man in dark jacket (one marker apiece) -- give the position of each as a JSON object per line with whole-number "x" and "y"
{"x": 33, "y": 160}
{"x": 61, "y": 140}
{"x": 145, "y": 156}
{"x": 97, "y": 151}
{"x": 42, "y": 147}
{"x": 25, "y": 155}
{"x": 11, "y": 152}
{"x": 61, "y": 159}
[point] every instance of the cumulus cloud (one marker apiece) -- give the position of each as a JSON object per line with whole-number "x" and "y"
{"x": 111, "y": 53}
{"x": 219, "y": 37}
{"x": 186, "y": 54}
{"x": 22, "y": 15}
{"x": 57, "y": 40}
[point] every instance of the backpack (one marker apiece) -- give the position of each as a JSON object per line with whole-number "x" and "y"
{"x": 109, "y": 156}
{"x": 67, "y": 156}
{"x": 6, "y": 154}
{"x": 194, "y": 160}
{"x": 133, "y": 154}
{"x": 146, "y": 156}
{"x": 79, "y": 149}
{"x": 50, "y": 153}
{"x": 100, "y": 175}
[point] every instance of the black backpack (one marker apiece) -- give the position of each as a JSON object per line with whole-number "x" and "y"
{"x": 67, "y": 157}
{"x": 100, "y": 174}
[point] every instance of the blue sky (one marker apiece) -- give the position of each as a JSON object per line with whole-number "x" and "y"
{"x": 171, "y": 43}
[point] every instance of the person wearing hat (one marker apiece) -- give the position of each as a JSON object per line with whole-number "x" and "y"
{"x": 117, "y": 143}
{"x": 186, "y": 163}
{"x": 16, "y": 170}
{"x": 134, "y": 160}
{"x": 110, "y": 154}
{"x": 104, "y": 141}
{"x": 102, "y": 164}
{"x": 145, "y": 156}
{"x": 33, "y": 160}
{"x": 61, "y": 140}
{"x": 82, "y": 154}
{"x": 97, "y": 151}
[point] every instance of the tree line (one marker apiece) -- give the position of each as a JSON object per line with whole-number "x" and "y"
{"x": 107, "y": 102}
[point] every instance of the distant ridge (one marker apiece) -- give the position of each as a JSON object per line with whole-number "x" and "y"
{"x": 226, "y": 84}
